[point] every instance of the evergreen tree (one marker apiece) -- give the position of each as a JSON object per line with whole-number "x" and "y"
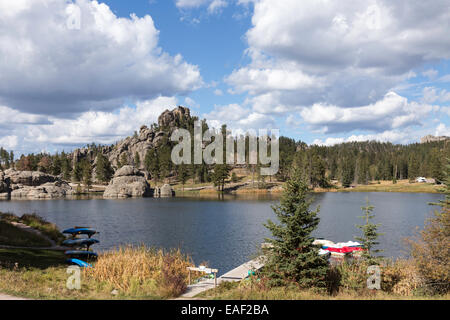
{"x": 221, "y": 173}
{"x": 87, "y": 174}
{"x": 317, "y": 175}
{"x": 348, "y": 173}
{"x": 151, "y": 163}
{"x": 183, "y": 174}
{"x": 137, "y": 160}
{"x": 293, "y": 257}
{"x": 436, "y": 166}
{"x": 413, "y": 168}
{"x": 77, "y": 172}
{"x": 370, "y": 235}
{"x": 103, "y": 169}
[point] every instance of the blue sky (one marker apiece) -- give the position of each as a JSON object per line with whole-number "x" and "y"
{"x": 321, "y": 72}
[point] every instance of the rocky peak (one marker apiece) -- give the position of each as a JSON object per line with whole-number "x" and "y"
{"x": 172, "y": 119}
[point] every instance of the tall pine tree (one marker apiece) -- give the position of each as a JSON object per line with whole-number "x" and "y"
{"x": 370, "y": 234}
{"x": 292, "y": 256}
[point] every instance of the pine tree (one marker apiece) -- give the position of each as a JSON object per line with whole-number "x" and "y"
{"x": 103, "y": 169}
{"x": 137, "y": 160}
{"x": 151, "y": 163}
{"x": 183, "y": 174}
{"x": 370, "y": 235}
{"x": 77, "y": 173}
{"x": 87, "y": 174}
{"x": 293, "y": 257}
{"x": 221, "y": 173}
{"x": 348, "y": 173}
{"x": 123, "y": 160}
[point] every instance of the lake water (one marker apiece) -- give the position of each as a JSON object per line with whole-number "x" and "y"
{"x": 227, "y": 232}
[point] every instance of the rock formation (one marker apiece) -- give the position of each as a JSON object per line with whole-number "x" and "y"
{"x": 32, "y": 185}
{"x": 144, "y": 140}
{"x": 128, "y": 182}
{"x": 4, "y": 186}
{"x": 431, "y": 138}
{"x": 165, "y": 191}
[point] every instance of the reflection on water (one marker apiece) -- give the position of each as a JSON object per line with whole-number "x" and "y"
{"x": 226, "y": 231}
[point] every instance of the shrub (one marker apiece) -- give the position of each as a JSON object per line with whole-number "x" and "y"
{"x": 143, "y": 270}
{"x": 431, "y": 252}
{"x": 400, "y": 277}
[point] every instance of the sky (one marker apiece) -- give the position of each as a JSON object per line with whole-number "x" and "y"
{"x": 320, "y": 71}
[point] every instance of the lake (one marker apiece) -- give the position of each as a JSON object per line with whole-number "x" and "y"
{"x": 227, "y": 232}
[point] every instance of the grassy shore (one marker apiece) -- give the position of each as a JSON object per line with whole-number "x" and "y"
{"x": 400, "y": 280}
{"x": 276, "y": 188}
{"x": 248, "y": 291}
{"x": 125, "y": 273}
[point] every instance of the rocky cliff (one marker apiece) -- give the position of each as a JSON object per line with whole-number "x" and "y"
{"x": 32, "y": 185}
{"x": 144, "y": 140}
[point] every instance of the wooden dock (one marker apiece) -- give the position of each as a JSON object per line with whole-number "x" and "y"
{"x": 237, "y": 274}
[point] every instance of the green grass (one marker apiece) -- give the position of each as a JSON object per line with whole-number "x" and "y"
{"x": 34, "y": 221}
{"x": 13, "y": 236}
{"x": 31, "y": 258}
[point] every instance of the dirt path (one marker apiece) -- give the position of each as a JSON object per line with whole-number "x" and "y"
{"x": 8, "y": 297}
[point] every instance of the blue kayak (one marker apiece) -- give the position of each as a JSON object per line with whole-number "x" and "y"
{"x": 80, "y": 230}
{"x": 81, "y": 254}
{"x": 79, "y": 263}
{"x": 80, "y": 242}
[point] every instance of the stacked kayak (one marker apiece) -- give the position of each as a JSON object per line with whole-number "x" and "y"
{"x": 339, "y": 249}
{"x": 81, "y": 246}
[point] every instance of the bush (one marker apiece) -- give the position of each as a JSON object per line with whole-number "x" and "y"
{"x": 431, "y": 252}
{"x": 401, "y": 277}
{"x": 143, "y": 271}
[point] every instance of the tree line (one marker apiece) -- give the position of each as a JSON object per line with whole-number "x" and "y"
{"x": 349, "y": 163}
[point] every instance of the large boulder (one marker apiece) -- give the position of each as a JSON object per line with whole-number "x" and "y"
{"x": 4, "y": 186}
{"x": 128, "y": 182}
{"x": 29, "y": 178}
{"x": 35, "y": 185}
{"x": 165, "y": 191}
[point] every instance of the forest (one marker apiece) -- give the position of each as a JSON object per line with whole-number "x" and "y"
{"x": 349, "y": 163}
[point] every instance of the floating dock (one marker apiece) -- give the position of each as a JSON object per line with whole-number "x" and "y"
{"x": 237, "y": 274}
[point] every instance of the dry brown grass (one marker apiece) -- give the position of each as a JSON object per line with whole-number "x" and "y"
{"x": 141, "y": 270}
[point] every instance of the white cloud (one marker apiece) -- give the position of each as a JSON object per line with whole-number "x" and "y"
{"x": 387, "y": 136}
{"x": 431, "y": 94}
{"x": 214, "y": 6}
{"x": 8, "y": 142}
{"x": 91, "y": 126}
{"x": 190, "y": 103}
{"x": 218, "y": 92}
{"x": 392, "y": 112}
{"x": 430, "y": 73}
{"x": 238, "y": 119}
{"x": 346, "y": 54}
{"x": 48, "y": 68}
{"x": 183, "y": 4}
{"x": 442, "y": 130}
